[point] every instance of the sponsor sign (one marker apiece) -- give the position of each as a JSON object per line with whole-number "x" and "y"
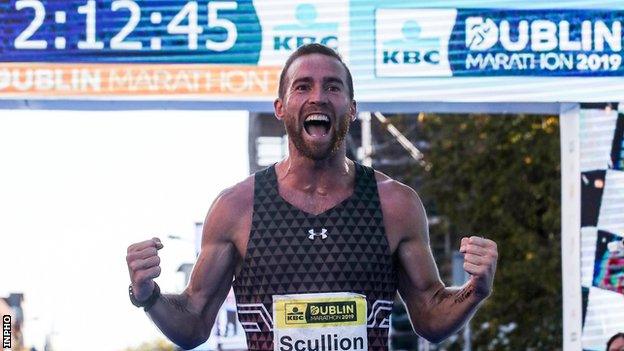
{"x": 227, "y": 50}
{"x": 332, "y": 321}
{"x": 126, "y": 80}
{"x": 413, "y": 42}
{"x": 498, "y": 42}
{"x": 125, "y": 49}
{"x": 296, "y": 23}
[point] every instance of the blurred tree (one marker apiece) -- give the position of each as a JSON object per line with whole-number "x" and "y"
{"x": 499, "y": 177}
{"x": 156, "y": 345}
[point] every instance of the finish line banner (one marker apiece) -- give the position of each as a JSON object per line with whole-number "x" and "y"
{"x": 173, "y": 80}
{"x": 127, "y": 49}
{"x": 226, "y": 50}
{"x": 496, "y": 42}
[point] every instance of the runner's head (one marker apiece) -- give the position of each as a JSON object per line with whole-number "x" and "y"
{"x": 616, "y": 342}
{"x": 315, "y": 101}
{"x": 309, "y": 49}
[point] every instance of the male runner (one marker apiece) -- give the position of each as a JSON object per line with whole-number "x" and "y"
{"x": 616, "y": 342}
{"x": 317, "y": 245}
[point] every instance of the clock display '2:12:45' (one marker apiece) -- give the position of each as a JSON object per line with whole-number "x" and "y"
{"x": 185, "y": 22}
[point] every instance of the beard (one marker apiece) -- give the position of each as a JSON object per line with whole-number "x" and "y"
{"x": 310, "y": 150}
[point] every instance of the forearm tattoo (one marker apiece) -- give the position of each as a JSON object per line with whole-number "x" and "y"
{"x": 177, "y": 302}
{"x": 464, "y": 295}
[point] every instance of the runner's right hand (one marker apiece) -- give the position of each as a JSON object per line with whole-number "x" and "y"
{"x": 143, "y": 266}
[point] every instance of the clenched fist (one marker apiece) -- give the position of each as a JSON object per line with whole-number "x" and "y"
{"x": 480, "y": 257}
{"x": 143, "y": 266}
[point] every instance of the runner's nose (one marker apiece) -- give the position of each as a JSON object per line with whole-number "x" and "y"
{"x": 318, "y": 95}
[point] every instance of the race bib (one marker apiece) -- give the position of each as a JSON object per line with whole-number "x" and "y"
{"x": 319, "y": 322}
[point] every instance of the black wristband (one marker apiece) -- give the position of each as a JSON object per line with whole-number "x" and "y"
{"x": 147, "y": 304}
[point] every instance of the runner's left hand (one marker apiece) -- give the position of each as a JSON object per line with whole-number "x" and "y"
{"x": 480, "y": 257}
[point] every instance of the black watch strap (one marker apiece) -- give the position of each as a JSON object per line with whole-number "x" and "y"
{"x": 147, "y": 304}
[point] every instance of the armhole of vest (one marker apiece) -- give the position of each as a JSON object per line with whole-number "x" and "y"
{"x": 370, "y": 175}
{"x": 258, "y": 177}
{"x": 367, "y": 174}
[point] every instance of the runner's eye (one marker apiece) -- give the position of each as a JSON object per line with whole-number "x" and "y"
{"x": 333, "y": 88}
{"x": 301, "y": 87}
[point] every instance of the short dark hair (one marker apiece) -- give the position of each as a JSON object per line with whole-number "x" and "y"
{"x": 309, "y": 49}
{"x": 613, "y": 338}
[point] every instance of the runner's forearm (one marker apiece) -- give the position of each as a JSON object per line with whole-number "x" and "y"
{"x": 175, "y": 318}
{"x": 449, "y": 310}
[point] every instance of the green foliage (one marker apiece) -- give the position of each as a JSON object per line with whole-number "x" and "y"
{"x": 499, "y": 177}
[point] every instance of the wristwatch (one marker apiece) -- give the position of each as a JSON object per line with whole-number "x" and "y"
{"x": 147, "y": 304}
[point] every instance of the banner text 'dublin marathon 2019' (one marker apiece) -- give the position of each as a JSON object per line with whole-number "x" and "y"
{"x": 233, "y": 50}
{"x": 491, "y": 42}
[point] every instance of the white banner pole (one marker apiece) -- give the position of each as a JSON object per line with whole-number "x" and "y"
{"x": 571, "y": 226}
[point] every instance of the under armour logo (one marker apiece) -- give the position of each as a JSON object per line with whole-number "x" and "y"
{"x": 322, "y": 234}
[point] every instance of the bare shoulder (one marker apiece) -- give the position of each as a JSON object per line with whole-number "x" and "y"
{"x": 230, "y": 213}
{"x": 236, "y": 199}
{"x": 403, "y": 211}
{"x": 395, "y": 195}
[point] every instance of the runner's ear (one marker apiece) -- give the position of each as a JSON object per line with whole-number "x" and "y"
{"x": 278, "y": 106}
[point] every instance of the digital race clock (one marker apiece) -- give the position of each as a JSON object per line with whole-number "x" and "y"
{"x": 129, "y": 31}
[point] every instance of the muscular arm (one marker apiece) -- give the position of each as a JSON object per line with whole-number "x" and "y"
{"x": 187, "y": 318}
{"x": 436, "y": 311}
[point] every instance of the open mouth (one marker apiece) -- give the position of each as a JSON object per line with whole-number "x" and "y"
{"x": 317, "y": 125}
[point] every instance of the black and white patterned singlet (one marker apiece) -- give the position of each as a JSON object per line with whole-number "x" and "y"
{"x": 343, "y": 249}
